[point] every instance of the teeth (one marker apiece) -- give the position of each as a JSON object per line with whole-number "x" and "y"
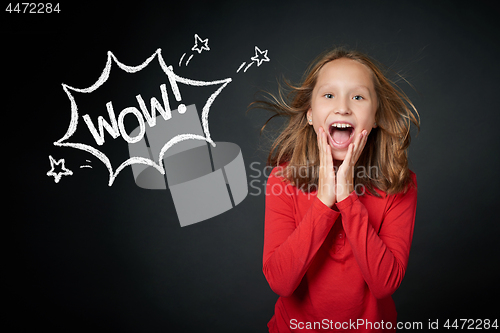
{"x": 338, "y": 125}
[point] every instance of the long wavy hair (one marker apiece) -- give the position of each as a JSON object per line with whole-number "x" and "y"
{"x": 384, "y": 160}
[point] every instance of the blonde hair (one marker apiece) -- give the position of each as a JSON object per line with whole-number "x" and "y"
{"x": 387, "y": 144}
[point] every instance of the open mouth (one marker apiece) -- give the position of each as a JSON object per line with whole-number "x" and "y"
{"x": 341, "y": 133}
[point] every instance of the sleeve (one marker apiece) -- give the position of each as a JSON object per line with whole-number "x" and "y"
{"x": 383, "y": 256}
{"x": 290, "y": 248}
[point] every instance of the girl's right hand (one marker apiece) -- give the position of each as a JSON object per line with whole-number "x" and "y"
{"x": 326, "y": 182}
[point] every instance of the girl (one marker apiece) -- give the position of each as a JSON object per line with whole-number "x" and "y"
{"x": 341, "y": 201}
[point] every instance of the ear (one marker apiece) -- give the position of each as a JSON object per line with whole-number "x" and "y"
{"x": 309, "y": 114}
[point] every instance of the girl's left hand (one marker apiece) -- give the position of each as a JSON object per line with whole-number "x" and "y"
{"x": 345, "y": 174}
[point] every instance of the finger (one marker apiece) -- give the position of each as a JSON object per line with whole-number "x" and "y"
{"x": 322, "y": 137}
{"x": 345, "y": 173}
{"x": 326, "y": 147}
{"x": 358, "y": 139}
{"x": 318, "y": 138}
{"x": 348, "y": 155}
{"x": 326, "y": 159}
{"x": 363, "y": 141}
{"x": 347, "y": 160}
{"x": 322, "y": 151}
{"x": 357, "y": 142}
{"x": 323, "y": 156}
{"x": 328, "y": 156}
{"x": 321, "y": 145}
{"x": 359, "y": 146}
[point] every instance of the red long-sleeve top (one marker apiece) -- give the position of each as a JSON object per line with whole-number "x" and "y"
{"x": 334, "y": 267}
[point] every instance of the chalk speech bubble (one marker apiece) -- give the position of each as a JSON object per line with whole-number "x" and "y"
{"x": 115, "y": 127}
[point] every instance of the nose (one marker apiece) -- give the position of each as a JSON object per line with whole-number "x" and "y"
{"x": 342, "y": 106}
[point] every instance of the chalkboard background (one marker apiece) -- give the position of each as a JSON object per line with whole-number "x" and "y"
{"x": 83, "y": 255}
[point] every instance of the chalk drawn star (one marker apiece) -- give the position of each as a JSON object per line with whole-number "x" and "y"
{"x": 260, "y": 56}
{"x": 200, "y": 44}
{"x": 57, "y": 175}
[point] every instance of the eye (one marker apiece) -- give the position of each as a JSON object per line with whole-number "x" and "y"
{"x": 328, "y": 95}
{"x": 358, "y": 97}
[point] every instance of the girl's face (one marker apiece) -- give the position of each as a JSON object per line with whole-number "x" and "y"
{"x": 344, "y": 103}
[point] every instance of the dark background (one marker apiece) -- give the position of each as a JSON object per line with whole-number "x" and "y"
{"x": 83, "y": 255}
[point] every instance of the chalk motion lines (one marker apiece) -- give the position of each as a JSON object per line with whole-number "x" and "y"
{"x": 199, "y": 46}
{"x": 259, "y": 57}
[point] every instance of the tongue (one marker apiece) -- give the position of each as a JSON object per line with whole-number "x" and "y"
{"x": 340, "y": 136}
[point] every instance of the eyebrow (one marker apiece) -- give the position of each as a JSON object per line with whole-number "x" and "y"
{"x": 359, "y": 86}
{"x": 362, "y": 86}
